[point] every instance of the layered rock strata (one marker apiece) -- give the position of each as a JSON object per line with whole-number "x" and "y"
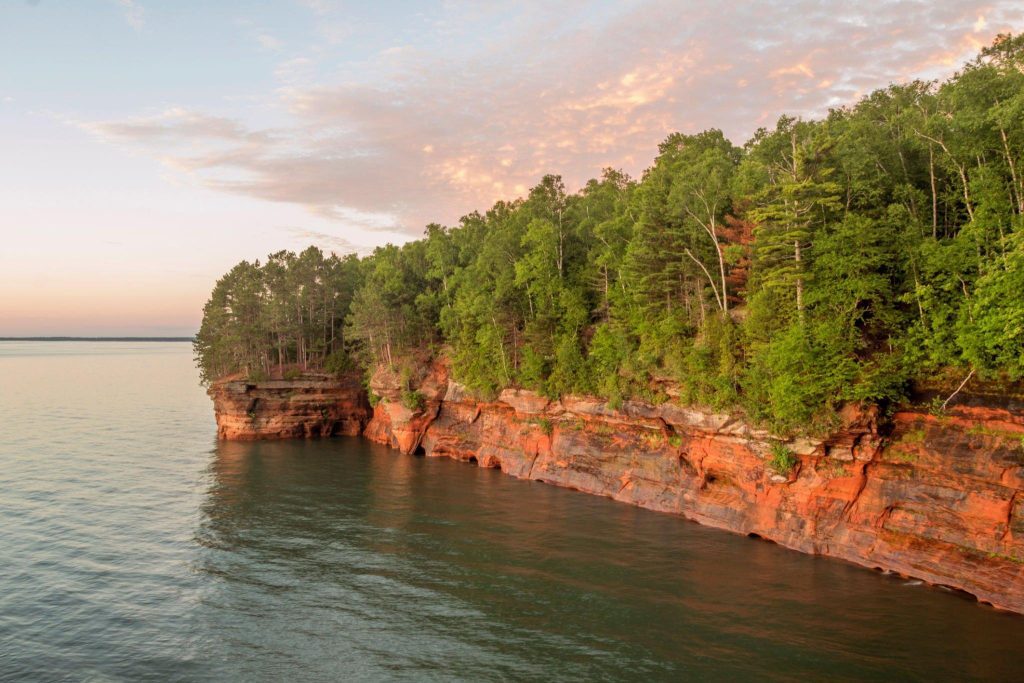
{"x": 282, "y": 409}
{"x": 931, "y": 497}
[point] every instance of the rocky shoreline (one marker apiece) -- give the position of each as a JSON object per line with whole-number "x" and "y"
{"x": 938, "y": 498}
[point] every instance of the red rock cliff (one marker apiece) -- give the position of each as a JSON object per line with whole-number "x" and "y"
{"x": 280, "y": 409}
{"x": 936, "y": 498}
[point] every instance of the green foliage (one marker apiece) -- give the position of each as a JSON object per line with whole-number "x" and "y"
{"x": 794, "y": 382}
{"x": 905, "y": 457}
{"x": 709, "y": 369}
{"x": 570, "y": 369}
{"x": 413, "y": 400}
{"x": 990, "y": 329}
{"x": 823, "y": 262}
{"x": 290, "y": 310}
{"x": 546, "y": 425}
{"x": 782, "y": 459}
{"x": 292, "y": 373}
{"x": 257, "y": 375}
{"x": 914, "y": 436}
{"x": 338, "y": 362}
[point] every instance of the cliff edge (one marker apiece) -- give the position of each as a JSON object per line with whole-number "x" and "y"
{"x": 931, "y": 497}
{"x": 315, "y": 405}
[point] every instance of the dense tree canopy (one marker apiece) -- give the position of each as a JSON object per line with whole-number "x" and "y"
{"x": 823, "y": 262}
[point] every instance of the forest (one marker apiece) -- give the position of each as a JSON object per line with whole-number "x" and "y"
{"x": 823, "y": 262}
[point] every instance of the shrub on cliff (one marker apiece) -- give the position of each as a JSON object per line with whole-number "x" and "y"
{"x": 257, "y": 375}
{"x": 413, "y": 400}
{"x": 782, "y": 459}
{"x": 338, "y": 363}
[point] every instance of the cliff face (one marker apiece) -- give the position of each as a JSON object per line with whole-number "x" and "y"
{"x": 281, "y": 409}
{"x": 937, "y": 498}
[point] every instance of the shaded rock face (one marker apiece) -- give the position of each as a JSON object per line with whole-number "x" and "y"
{"x": 281, "y": 409}
{"x": 936, "y": 498}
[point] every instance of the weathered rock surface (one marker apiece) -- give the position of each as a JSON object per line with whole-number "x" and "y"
{"x": 936, "y": 498}
{"x": 281, "y": 409}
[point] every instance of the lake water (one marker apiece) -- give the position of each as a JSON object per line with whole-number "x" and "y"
{"x": 134, "y": 546}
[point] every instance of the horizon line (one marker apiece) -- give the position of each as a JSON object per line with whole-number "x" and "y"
{"x": 98, "y": 339}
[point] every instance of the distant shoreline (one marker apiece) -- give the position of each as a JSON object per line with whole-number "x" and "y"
{"x": 98, "y": 339}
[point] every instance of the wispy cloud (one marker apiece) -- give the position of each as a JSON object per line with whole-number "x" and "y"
{"x": 133, "y": 13}
{"x": 428, "y": 130}
{"x": 269, "y": 42}
{"x": 265, "y": 39}
{"x": 174, "y": 126}
{"x": 327, "y": 242}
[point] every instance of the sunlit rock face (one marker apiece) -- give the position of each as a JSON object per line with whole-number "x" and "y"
{"x": 281, "y": 409}
{"x": 936, "y": 498}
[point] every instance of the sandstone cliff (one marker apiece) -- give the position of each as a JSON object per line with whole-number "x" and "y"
{"x": 280, "y": 409}
{"x": 936, "y": 498}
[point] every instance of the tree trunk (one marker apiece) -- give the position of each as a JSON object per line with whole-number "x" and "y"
{"x": 799, "y": 280}
{"x": 1013, "y": 172}
{"x": 935, "y": 194}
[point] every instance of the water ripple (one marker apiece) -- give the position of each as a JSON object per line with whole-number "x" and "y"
{"x": 135, "y": 547}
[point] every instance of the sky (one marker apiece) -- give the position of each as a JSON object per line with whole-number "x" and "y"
{"x": 146, "y": 147}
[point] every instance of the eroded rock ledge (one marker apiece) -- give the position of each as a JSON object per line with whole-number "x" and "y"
{"x": 283, "y": 409}
{"x": 936, "y": 498}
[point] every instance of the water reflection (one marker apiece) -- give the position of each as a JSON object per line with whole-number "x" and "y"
{"x": 132, "y": 551}
{"x": 405, "y": 567}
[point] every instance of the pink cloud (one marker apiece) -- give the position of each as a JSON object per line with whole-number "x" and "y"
{"x": 428, "y": 135}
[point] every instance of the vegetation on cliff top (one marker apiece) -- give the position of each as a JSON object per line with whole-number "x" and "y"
{"x": 822, "y": 262}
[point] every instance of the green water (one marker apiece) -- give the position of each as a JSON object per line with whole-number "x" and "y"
{"x": 133, "y": 546}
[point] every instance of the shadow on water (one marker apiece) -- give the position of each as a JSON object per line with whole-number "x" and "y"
{"x": 339, "y": 558}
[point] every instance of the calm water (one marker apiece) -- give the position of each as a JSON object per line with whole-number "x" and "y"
{"x": 133, "y": 546}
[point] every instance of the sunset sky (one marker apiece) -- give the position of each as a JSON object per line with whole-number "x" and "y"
{"x": 148, "y": 146}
